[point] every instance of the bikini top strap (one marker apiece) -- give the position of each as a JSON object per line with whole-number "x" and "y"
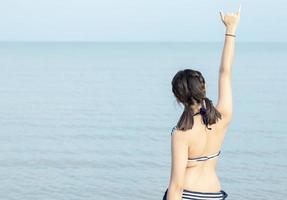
{"x": 196, "y": 113}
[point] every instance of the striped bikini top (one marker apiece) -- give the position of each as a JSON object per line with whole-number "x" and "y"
{"x": 204, "y": 158}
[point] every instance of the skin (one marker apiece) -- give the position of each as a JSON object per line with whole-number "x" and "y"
{"x": 198, "y": 141}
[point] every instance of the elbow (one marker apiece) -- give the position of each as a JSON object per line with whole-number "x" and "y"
{"x": 177, "y": 187}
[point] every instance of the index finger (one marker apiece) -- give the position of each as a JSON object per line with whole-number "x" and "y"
{"x": 221, "y": 14}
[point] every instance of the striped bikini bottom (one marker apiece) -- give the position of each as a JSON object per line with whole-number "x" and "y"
{"x": 193, "y": 195}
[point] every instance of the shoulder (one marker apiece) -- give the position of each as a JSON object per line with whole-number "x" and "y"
{"x": 173, "y": 130}
{"x": 179, "y": 135}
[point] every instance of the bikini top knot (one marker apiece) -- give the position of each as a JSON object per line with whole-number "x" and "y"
{"x": 202, "y": 111}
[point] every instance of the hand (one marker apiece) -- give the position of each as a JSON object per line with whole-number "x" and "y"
{"x": 230, "y": 20}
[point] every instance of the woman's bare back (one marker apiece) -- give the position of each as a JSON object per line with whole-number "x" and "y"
{"x": 201, "y": 175}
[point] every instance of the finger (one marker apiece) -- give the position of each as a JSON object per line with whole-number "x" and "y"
{"x": 221, "y": 15}
{"x": 239, "y": 10}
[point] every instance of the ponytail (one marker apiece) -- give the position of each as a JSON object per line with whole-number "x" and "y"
{"x": 211, "y": 114}
{"x": 186, "y": 121}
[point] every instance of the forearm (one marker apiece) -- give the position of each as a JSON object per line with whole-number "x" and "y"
{"x": 228, "y": 51}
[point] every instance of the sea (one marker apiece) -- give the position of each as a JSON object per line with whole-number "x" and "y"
{"x": 92, "y": 120}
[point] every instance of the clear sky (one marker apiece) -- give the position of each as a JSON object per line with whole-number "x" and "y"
{"x": 139, "y": 20}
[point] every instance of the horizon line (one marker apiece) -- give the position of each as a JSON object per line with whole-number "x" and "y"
{"x": 139, "y": 41}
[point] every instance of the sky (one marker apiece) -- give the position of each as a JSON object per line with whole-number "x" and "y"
{"x": 140, "y": 20}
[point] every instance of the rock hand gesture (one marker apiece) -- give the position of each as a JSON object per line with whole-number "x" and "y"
{"x": 231, "y": 20}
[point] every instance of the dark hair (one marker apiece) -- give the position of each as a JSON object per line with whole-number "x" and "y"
{"x": 188, "y": 86}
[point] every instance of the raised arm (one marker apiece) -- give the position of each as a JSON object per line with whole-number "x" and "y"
{"x": 224, "y": 104}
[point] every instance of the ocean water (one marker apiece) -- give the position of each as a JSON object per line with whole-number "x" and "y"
{"x": 92, "y": 121}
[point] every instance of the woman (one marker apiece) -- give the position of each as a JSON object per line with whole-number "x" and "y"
{"x": 197, "y": 138}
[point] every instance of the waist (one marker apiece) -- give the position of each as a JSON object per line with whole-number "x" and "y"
{"x": 202, "y": 180}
